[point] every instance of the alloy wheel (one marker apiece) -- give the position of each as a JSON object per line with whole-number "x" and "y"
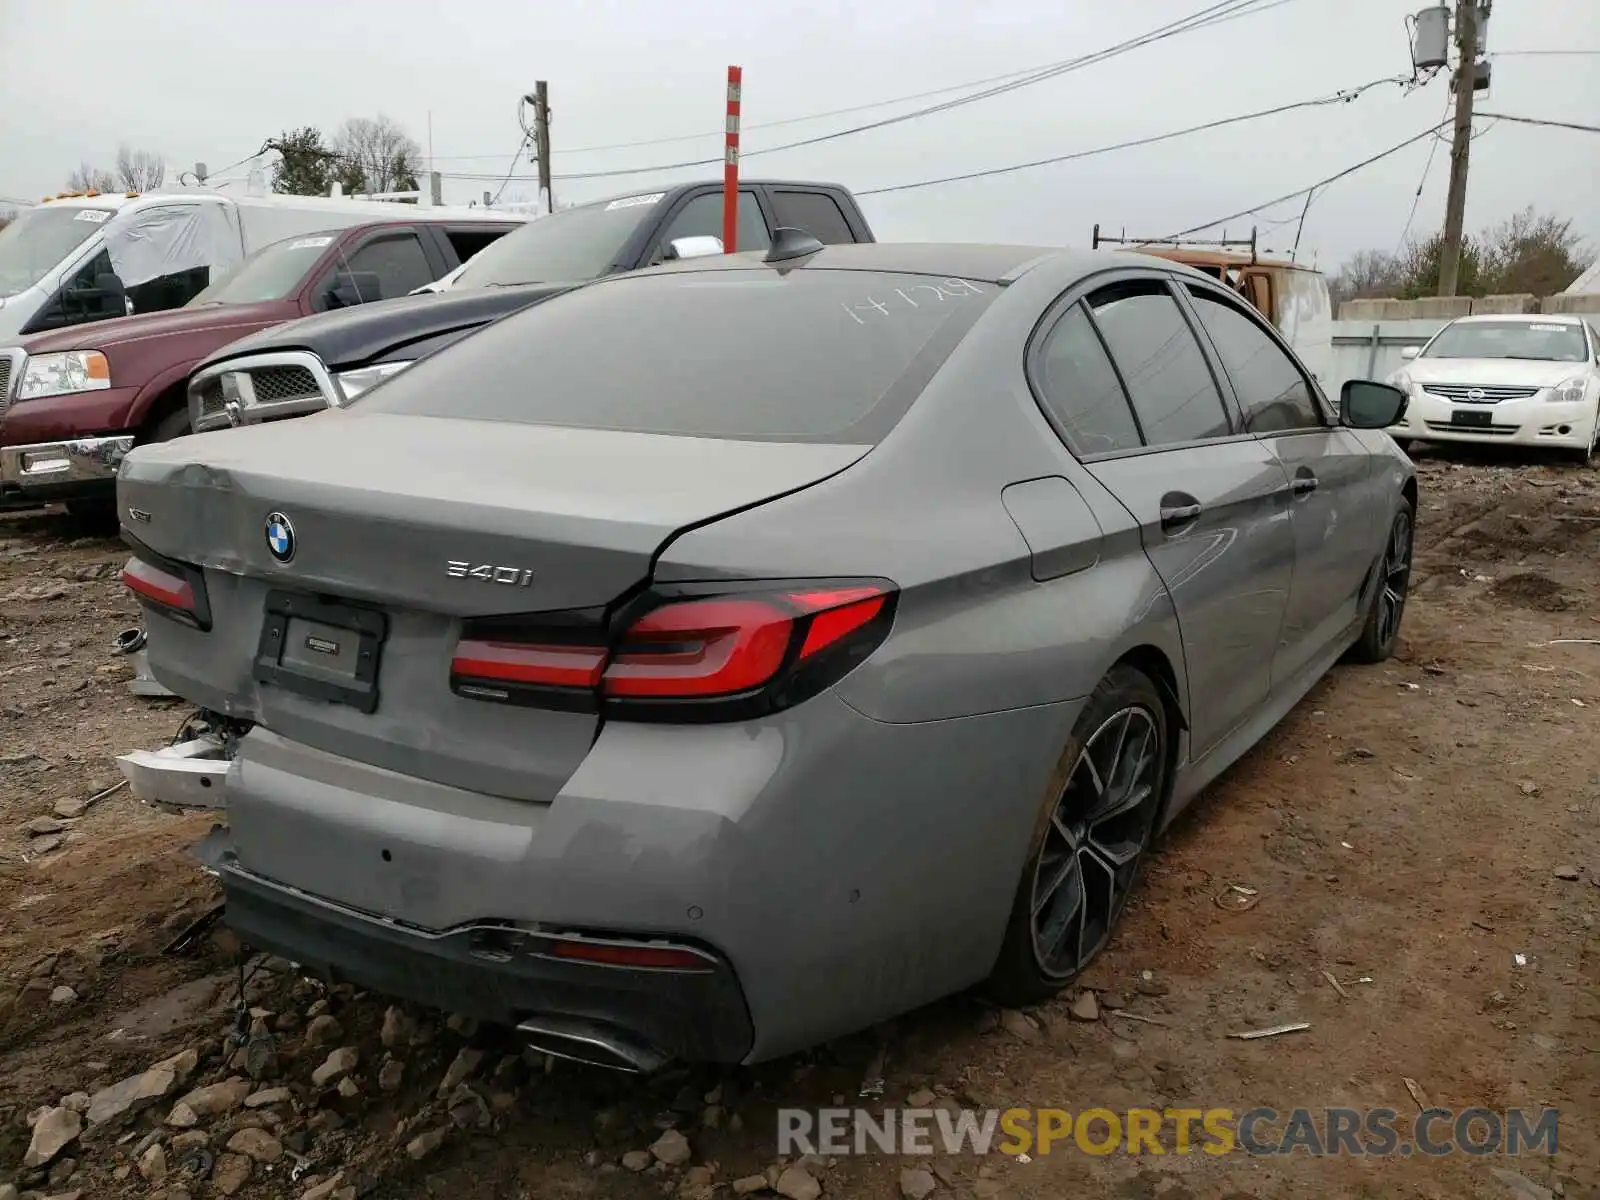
{"x": 1396, "y": 578}
{"x": 1097, "y": 832}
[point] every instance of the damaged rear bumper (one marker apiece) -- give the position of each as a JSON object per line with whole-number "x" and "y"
{"x": 637, "y": 1019}
{"x": 191, "y": 774}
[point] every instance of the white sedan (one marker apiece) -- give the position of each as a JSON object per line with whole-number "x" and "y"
{"x": 1519, "y": 380}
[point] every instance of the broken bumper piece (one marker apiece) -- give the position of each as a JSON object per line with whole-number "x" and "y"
{"x": 189, "y": 775}
{"x": 605, "y": 1015}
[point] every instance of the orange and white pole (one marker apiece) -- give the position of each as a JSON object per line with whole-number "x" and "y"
{"x": 730, "y": 167}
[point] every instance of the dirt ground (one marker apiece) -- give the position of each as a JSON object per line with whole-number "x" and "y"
{"x": 1427, "y": 832}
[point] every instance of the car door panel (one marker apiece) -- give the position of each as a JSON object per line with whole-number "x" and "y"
{"x": 1327, "y": 468}
{"x": 1227, "y": 566}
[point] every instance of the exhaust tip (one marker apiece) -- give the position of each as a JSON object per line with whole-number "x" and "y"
{"x": 590, "y": 1043}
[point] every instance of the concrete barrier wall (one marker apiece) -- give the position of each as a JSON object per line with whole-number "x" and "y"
{"x": 1447, "y": 308}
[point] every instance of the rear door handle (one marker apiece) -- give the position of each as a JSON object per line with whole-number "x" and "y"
{"x": 1303, "y": 485}
{"x": 1176, "y": 516}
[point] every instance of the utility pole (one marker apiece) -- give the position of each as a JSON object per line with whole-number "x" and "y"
{"x": 541, "y": 141}
{"x": 1465, "y": 80}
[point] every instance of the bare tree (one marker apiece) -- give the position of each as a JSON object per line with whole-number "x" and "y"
{"x": 1533, "y": 252}
{"x": 378, "y": 154}
{"x": 141, "y": 170}
{"x": 1368, "y": 273}
{"x": 91, "y": 179}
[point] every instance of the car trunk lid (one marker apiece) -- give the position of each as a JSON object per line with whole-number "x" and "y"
{"x": 408, "y": 526}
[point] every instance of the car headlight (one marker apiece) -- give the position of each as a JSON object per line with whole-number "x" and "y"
{"x": 60, "y": 374}
{"x": 1571, "y": 391}
{"x": 363, "y": 379}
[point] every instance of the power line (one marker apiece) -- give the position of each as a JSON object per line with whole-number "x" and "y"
{"x": 1203, "y": 18}
{"x": 854, "y": 108}
{"x": 1337, "y": 98}
{"x": 1321, "y": 183}
{"x": 1538, "y": 121}
{"x": 1416, "y": 200}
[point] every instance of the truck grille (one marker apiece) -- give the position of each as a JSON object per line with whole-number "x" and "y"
{"x": 1475, "y": 393}
{"x": 210, "y": 392}
{"x": 283, "y": 383}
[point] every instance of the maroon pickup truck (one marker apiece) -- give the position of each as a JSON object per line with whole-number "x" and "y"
{"x": 74, "y": 401}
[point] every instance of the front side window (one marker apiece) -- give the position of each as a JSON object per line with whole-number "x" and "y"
{"x": 1272, "y": 392}
{"x": 1539, "y": 341}
{"x": 388, "y": 266}
{"x": 1079, "y": 388}
{"x": 91, "y": 293}
{"x": 1166, "y": 374}
{"x": 702, "y": 217}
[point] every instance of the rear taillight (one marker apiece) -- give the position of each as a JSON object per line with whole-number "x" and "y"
{"x": 174, "y": 589}
{"x": 688, "y": 654}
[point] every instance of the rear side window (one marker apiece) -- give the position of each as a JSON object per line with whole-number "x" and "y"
{"x": 1079, "y": 388}
{"x": 816, "y": 212}
{"x": 1173, "y": 394}
{"x": 1272, "y": 392}
{"x": 803, "y": 355}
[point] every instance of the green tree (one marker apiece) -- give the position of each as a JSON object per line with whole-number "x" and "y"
{"x": 1530, "y": 252}
{"x": 1419, "y": 268}
{"x": 305, "y": 166}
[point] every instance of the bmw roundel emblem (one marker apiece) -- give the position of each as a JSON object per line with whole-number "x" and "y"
{"x": 280, "y": 537}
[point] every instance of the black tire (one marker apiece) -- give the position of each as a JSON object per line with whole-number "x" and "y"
{"x": 1067, "y": 838}
{"x": 174, "y": 425}
{"x": 1404, "y": 443}
{"x": 1380, "y": 632}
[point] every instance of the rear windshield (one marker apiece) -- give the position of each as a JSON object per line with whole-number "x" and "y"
{"x": 803, "y": 355}
{"x": 1543, "y": 341}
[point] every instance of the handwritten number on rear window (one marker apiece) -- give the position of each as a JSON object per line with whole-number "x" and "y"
{"x": 916, "y": 295}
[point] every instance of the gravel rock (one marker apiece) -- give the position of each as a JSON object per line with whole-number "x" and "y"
{"x": 62, "y": 994}
{"x": 46, "y": 845}
{"x": 231, "y": 1173}
{"x": 427, "y": 1143}
{"x": 325, "y": 1189}
{"x": 267, "y": 1097}
{"x": 336, "y": 1066}
{"x": 78, "y": 1102}
{"x": 637, "y": 1160}
{"x": 798, "y": 1185}
{"x": 256, "y": 1144}
{"x": 40, "y": 826}
{"x": 391, "y": 1075}
{"x": 460, "y": 1070}
{"x": 1570, "y": 874}
{"x": 1020, "y": 1025}
{"x": 131, "y": 1094}
{"x": 921, "y": 1098}
{"x": 917, "y": 1184}
{"x": 397, "y": 1028}
{"x": 52, "y": 1134}
{"x": 214, "y": 1100}
{"x": 70, "y": 809}
{"x": 153, "y": 1165}
{"x": 323, "y": 1031}
{"x": 1085, "y": 1007}
{"x": 672, "y": 1148}
{"x": 749, "y": 1185}
{"x": 464, "y": 1026}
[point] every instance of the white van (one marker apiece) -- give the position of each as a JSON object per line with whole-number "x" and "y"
{"x": 89, "y": 257}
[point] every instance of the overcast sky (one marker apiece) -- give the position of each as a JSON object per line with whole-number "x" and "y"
{"x": 208, "y": 81}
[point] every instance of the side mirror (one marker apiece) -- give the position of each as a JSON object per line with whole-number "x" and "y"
{"x": 1410, "y": 352}
{"x": 692, "y": 247}
{"x": 1366, "y": 404}
{"x": 105, "y": 295}
{"x": 354, "y": 287}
